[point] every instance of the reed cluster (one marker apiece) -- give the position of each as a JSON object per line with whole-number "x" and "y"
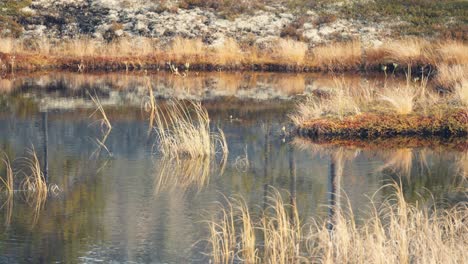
{"x": 394, "y": 232}
{"x": 183, "y": 130}
{"x": 33, "y": 186}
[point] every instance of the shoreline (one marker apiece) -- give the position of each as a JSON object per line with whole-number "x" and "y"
{"x": 183, "y": 55}
{"x": 459, "y": 144}
{"x": 452, "y": 123}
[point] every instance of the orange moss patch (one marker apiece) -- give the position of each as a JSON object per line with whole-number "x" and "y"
{"x": 452, "y": 123}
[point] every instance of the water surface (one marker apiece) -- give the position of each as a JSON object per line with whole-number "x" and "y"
{"x": 129, "y": 205}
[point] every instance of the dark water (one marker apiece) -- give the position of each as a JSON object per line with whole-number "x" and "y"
{"x": 129, "y": 206}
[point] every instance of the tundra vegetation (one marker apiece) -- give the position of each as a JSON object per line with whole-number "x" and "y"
{"x": 138, "y": 53}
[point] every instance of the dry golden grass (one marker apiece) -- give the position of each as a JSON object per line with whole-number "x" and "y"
{"x": 103, "y": 121}
{"x": 339, "y": 101}
{"x": 461, "y": 92}
{"x": 186, "y": 50}
{"x": 289, "y": 51}
{"x": 450, "y": 76}
{"x": 307, "y": 110}
{"x": 400, "y": 99}
{"x": 183, "y": 130}
{"x": 8, "y": 45}
{"x": 105, "y": 126}
{"x": 453, "y": 52}
{"x": 337, "y": 56}
{"x": 279, "y": 54}
{"x": 394, "y": 232}
{"x": 229, "y": 53}
{"x": 410, "y": 51}
{"x": 8, "y": 182}
{"x": 34, "y": 185}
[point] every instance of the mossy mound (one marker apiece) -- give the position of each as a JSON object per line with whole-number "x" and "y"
{"x": 451, "y": 123}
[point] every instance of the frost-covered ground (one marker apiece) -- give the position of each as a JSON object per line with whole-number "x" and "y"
{"x": 114, "y": 18}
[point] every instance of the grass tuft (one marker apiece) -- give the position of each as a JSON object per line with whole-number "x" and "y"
{"x": 400, "y": 99}
{"x": 183, "y": 130}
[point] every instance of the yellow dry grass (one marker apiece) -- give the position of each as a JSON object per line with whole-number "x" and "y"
{"x": 452, "y": 52}
{"x": 8, "y": 182}
{"x": 450, "y": 76}
{"x": 228, "y": 53}
{"x": 337, "y": 56}
{"x": 142, "y": 52}
{"x": 34, "y": 184}
{"x": 103, "y": 120}
{"x": 461, "y": 92}
{"x": 339, "y": 101}
{"x": 186, "y": 50}
{"x": 183, "y": 130}
{"x": 400, "y": 99}
{"x": 8, "y": 45}
{"x": 410, "y": 51}
{"x": 394, "y": 232}
{"x": 289, "y": 51}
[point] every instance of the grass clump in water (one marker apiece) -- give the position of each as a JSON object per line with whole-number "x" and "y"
{"x": 183, "y": 130}
{"x": 394, "y": 232}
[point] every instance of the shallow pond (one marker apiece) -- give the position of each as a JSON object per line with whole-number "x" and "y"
{"x": 127, "y": 204}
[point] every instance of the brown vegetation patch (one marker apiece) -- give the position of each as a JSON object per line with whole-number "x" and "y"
{"x": 369, "y": 125}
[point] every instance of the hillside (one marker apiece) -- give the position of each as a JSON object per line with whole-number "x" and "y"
{"x": 315, "y": 22}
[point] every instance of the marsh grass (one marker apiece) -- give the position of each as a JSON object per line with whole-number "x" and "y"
{"x": 103, "y": 120}
{"x": 400, "y": 99}
{"x": 105, "y": 125}
{"x": 289, "y": 51}
{"x": 183, "y": 130}
{"x": 337, "y": 56}
{"x": 461, "y": 92}
{"x": 8, "y": 182}
{"x": 450, "y": 76}
{"x": 84, "y": 53}
{"x": 395, "y": 230}
{"x": 34, "y": 185}
{"x": 340, "y": 101}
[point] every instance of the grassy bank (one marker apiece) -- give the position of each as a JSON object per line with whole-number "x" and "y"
{"x": 85, "y": 54}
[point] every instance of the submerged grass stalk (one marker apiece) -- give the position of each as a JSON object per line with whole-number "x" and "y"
{"x": 104, "y": 121}
{"x": 8, "y": 182}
